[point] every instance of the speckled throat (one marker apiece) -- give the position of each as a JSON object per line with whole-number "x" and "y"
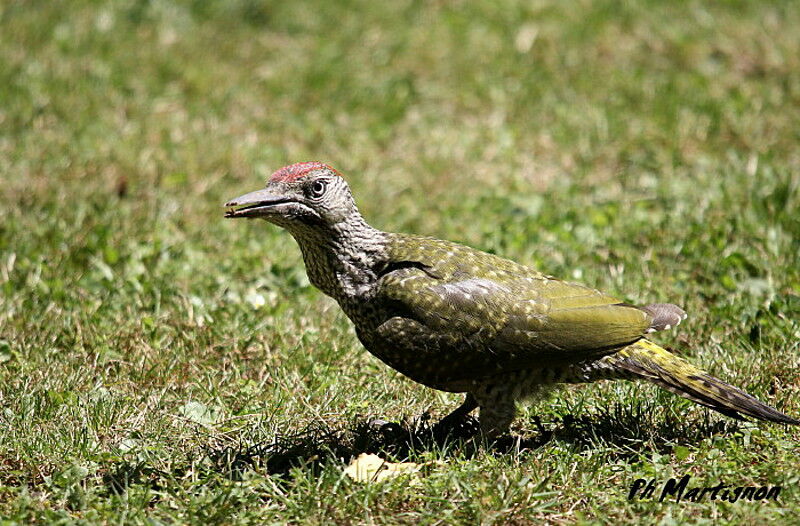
{"x": 343, "y": 260}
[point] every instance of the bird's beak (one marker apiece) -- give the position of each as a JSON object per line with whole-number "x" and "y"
{"x": 255, "y": 204}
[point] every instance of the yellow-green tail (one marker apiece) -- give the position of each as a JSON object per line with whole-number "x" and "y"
{"x": 648, "y": 361}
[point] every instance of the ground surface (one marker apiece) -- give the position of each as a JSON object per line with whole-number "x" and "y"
{"x": 162, "y": 364}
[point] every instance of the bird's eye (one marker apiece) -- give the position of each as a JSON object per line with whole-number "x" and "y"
{"x": 318, "y": 188}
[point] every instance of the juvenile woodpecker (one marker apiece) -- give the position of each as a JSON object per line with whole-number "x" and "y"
{"x": 460, "y": 320}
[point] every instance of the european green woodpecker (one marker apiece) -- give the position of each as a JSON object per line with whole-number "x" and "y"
{"x": 460, "y": 320}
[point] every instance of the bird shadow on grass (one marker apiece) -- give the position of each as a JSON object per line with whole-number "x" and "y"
{"x": 311, "y": 449}
{"x": 314, "y": 447}
{"x": 624, "y": 430}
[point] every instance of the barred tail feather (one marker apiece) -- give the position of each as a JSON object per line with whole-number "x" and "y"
{"x": 648, "y": 361}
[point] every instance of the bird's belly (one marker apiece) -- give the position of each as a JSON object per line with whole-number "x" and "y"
{"x": 433, "y": 362}
{"x": 410, "y": 364}
{"x": 525, "y": 383}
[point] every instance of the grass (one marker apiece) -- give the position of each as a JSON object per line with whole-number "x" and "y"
{"x": 160, "y": 364}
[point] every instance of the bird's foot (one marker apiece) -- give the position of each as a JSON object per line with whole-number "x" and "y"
{"x": 510, "y": 443}
{"x": 455, "y": 427}
{"x": 400, "y": 438}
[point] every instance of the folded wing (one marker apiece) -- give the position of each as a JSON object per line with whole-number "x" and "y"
{"x": 489, "y": 315}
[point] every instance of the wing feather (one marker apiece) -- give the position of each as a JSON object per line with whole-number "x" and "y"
{"x": 488, "y": 314}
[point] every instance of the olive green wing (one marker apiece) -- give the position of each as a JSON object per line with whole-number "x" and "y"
{"x": 486, "y": 315}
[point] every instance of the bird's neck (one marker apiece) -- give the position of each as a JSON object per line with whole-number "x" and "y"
{"x": 341, "y": 259}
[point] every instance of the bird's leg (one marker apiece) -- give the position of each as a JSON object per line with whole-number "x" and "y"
{"x": 456, "y": 418}
{"x": 497, "y": 410}
{"x": 496, "y": 420}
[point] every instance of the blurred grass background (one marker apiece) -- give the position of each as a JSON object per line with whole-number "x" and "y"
{"x": 646, "y": 148}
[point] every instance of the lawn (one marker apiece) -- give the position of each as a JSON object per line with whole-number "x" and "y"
{"x": 159, "y": 364}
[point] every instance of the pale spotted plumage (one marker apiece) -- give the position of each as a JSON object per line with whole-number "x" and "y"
{"x": 461, "y": 320}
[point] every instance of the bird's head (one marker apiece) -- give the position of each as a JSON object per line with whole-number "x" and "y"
{"x": 298, "y": 196}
